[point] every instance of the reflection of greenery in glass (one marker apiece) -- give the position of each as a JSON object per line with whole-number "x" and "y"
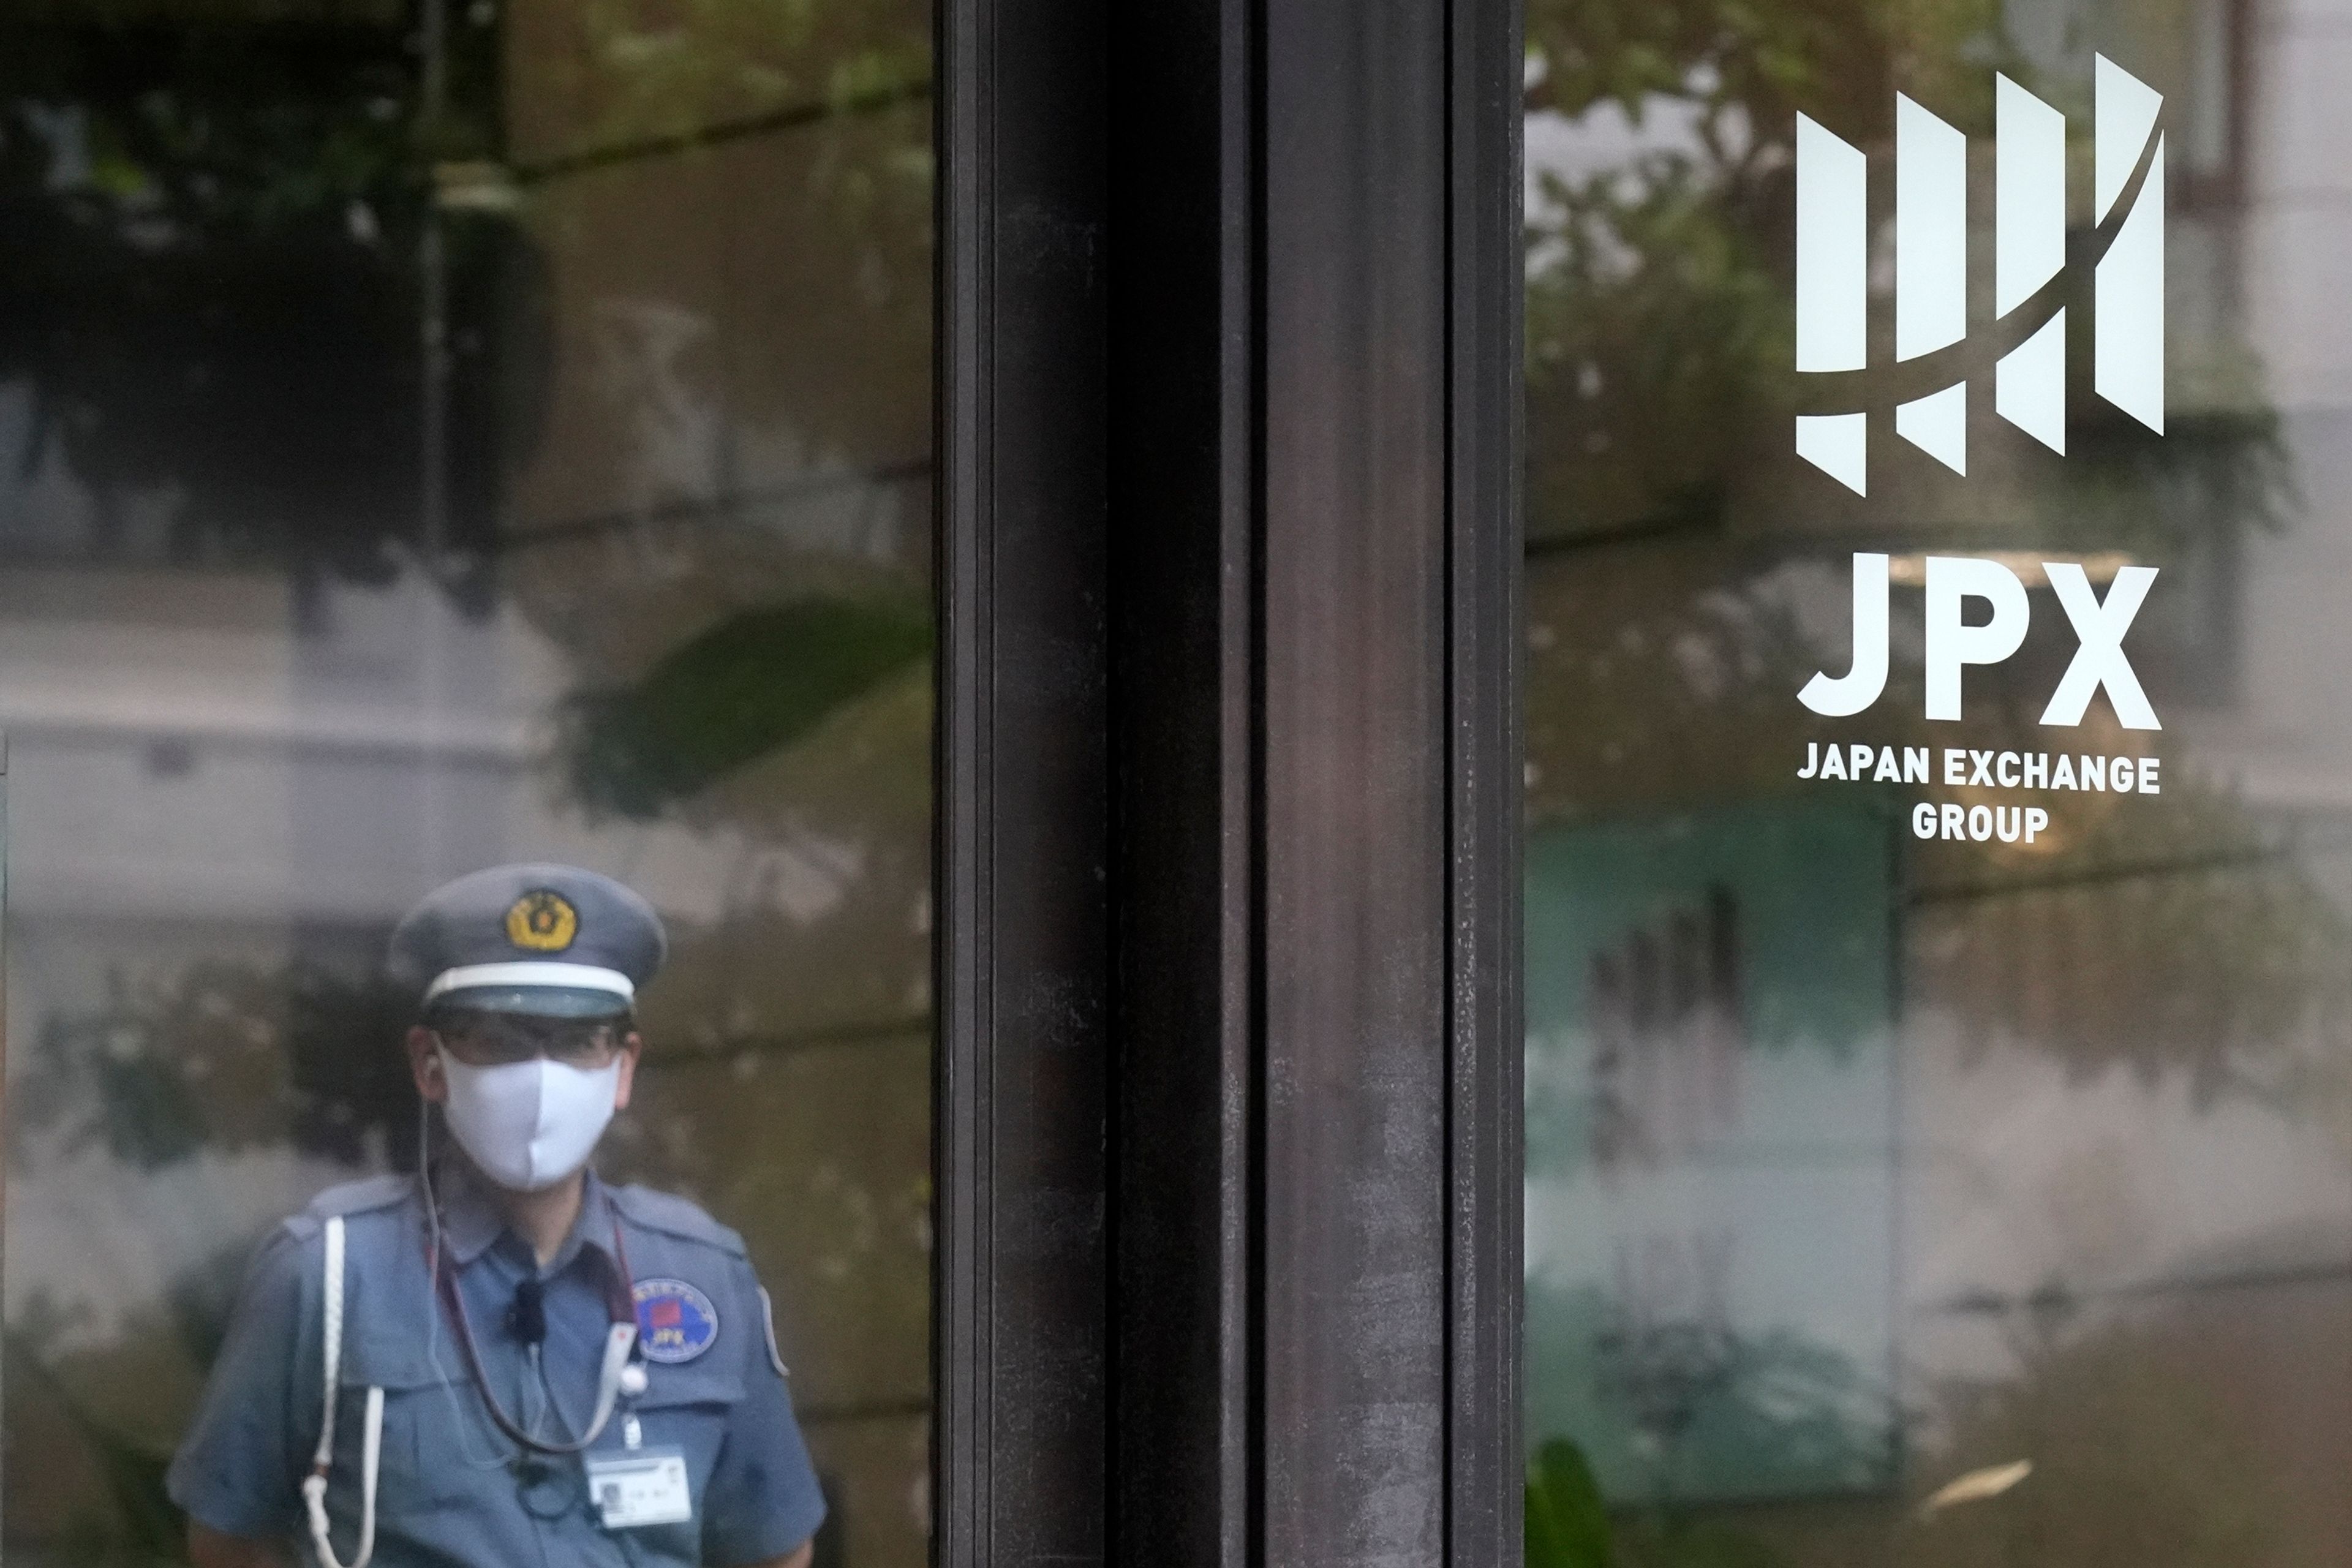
{"x": 2145, "y": 1448}
{"x": 1658, "y": 314}
{"x": 753, "y": 684}
{"x": 212, "y": 216}
{"x": 617, "y": 72}
{"x": 1679, "y": 1410}
{"x": 1659, "y": 292}
{"x": 659, "y": 223}
{"x": 222, "y": 1059}
{"x": 207, "y": 244}
{"x": 1671, "y": 550}
{"x": 1568, "y": 1526}
{"x": 221, "y": 1056}
{"x": 1686, "y": 574}
{"x": 144, "y": 1528}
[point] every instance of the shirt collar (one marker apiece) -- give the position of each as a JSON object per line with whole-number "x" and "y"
{"x": 471, "y": 1223}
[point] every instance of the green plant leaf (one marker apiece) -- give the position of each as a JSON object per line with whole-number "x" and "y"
{"x": 750, "y": 686}
{"x": 1567, "y": 1523}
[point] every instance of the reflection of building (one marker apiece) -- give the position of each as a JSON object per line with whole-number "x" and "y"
{"x": 2124, "y": 1215}
{"x": 1666, "y": 1046}
{"x": 238, "y": 755}
{"x": 1712, "y": 1174}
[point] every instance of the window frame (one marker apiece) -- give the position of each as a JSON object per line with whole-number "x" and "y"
{"x": 1229, "y": 773}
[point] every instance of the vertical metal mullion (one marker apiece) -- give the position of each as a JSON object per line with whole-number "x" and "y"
{"x": 1356, "y": 929}
{"x": 962, "y": 856}
{"x": 1299, "y": 843}
{"x": 1022, "y": 968}
{"x": 1485, "y": 643}
{"x": 1185, "y": 513}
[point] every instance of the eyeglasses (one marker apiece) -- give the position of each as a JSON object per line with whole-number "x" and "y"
{"x": 496, "y": 1039}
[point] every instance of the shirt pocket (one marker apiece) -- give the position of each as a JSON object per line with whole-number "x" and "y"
{"x": 687, "y": 1407}
{"x": 438, "y": 1446}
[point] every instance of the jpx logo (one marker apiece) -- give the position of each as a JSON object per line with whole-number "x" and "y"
{"x": 2028, "y": 252}
{"x": 1949, "y": 639}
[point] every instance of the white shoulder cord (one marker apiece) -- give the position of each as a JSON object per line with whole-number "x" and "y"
{"x": 314, "y": 1486}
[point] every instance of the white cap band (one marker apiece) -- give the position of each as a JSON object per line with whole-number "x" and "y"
{"x": 562, "y": 976}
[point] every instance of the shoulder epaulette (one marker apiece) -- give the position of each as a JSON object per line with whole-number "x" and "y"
{"x": 360, "y": 1196}
{"x": 673, "y": 1216}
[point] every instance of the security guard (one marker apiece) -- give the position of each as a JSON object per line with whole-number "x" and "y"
{"x": 502, "y": 1360}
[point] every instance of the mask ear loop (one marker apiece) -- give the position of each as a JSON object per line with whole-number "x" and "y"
{"x": 433, "y": 1292}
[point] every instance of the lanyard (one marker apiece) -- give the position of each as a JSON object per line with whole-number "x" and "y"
{"x": 619, "y": 1342}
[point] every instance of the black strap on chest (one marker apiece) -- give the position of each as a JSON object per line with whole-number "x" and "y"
{"x": 619, "y": 1299}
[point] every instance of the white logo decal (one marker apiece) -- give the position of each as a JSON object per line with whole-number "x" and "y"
{"x": 1931, "y": 267}
{"x": 1948, "y": 640}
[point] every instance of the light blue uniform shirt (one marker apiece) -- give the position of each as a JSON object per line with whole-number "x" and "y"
{"x": 453, "y": 1491}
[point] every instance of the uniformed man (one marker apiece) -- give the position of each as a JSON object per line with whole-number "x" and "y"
{"x": 550, "y": 1371}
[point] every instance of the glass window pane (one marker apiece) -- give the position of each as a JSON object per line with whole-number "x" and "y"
{"x": 1939, "y": 859}
{"x": 438, "y": 434}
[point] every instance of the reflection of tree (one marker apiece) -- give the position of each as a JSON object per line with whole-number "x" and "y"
{"x": 141, "y": 1529}
{"x": 1681, "y": 566}
{"x": 1658, "y": 305}
{"x": 212, "y": 253}
{"x": 207, "y": 250}
{"x": 223, "y": 1057}
{"x": 1657, "y": 322}
{"x": 212, "y": 224}
{"x": 722, "y": 524}
{"x": 2230, "y": 969}
{"x": 623, "y": 90}
{"x": 2143, "y": 1451}
{"x": 1683, "y": 1408}
{"x": 754, "y": 684}
{"x": 616, "y": 74}
{"x": 1569, "y": 1526}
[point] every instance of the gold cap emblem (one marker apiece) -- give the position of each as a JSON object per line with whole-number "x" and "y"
{"x": 542, "y": 922}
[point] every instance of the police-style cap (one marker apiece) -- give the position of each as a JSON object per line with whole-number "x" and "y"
{"x": 552, "y": 940}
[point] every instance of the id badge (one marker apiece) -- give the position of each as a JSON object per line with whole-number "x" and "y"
{"x": 640, "y": 1486}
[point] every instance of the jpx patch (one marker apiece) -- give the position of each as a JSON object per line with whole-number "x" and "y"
{"x": 676, "y": 1322}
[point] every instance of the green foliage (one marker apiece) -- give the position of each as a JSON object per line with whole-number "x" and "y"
{"x": 653, "y": 71}
{"x": 143, "y": 1528}
{"x": 209, "y": 243}
{"x": 1653, "y": 331}
{"x": 1766, "y": 59}
{"x": 1568, "y": 1524}
{"x": 753, "y": 684}
{"x": 1658, "y": 319}
{"x": 2154, "y": 1439}
{"x": 213, "y": 231}
{"x": 221, "y": 1055}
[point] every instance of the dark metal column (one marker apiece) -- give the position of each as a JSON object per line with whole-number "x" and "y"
{"x": 1185, "y": 480}
{"x": 1314, "y": 331}
{"x": 1266, "y": 586}
{"x": 1022, "y": 975}
{"x": 1355, "y": 1214}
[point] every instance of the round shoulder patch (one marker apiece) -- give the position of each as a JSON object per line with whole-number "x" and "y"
{"x": 542, "y": 922}
{"x": 676, "y": 1322}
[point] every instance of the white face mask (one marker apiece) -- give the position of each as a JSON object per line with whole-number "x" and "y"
{"x": 529, "y": 1124}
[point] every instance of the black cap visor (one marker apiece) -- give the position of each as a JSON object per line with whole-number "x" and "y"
{"x": 534, "y": 1001}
